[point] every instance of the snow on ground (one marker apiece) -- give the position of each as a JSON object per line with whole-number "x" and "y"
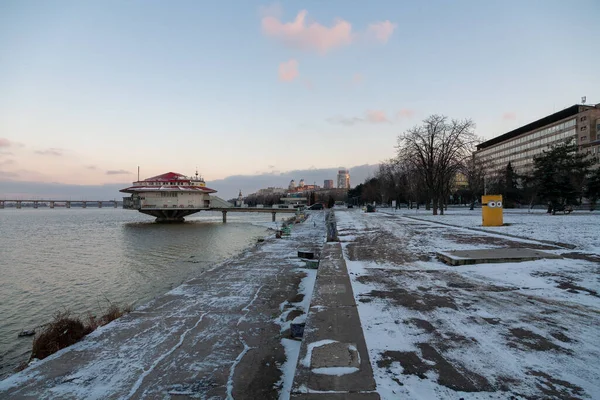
{"x": 487, "y": 331}
{"x": 580, "y": 228}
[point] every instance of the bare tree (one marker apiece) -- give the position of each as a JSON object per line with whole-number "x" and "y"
{"x": 474, "y": 172}
{"x": 436, "y": 150}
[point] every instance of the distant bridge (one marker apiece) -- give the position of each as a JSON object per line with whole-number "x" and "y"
{"x": 57, "y": 203}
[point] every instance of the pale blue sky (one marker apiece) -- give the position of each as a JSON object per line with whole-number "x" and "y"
{"x": 88, "y": 87}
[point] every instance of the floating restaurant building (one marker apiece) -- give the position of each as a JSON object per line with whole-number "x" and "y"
{"x": 169, "y": 197}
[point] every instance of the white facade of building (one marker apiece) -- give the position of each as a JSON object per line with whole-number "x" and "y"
{"x": 172, "y": 199}
{"x": 343, "y": 179}
{"x": 519, "y": 147}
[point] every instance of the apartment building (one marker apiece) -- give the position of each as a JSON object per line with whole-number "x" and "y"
{"x": 580, "y": 123}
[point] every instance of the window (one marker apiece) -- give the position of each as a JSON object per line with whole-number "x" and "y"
{"x": 583, "y": 118}
{"x": 583, "y": 138}
{"x": 583, "y": 128}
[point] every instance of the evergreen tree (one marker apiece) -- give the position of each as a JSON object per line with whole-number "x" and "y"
{"x": 559, "y": 175}
{"x": 511, "y": 193}
{"x": 592, "y": 190}
{"x": 330, "y": 202}
{"x": 355, "y": 194}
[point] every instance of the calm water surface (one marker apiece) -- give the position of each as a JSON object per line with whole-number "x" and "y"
{"x": 77, "y": 259}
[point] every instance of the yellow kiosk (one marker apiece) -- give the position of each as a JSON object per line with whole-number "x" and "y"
{"x": 491, "y": 210}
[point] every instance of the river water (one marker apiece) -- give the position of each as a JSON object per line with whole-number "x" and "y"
{"x": 81, "y": 259}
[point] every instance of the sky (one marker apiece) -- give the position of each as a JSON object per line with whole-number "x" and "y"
{"x": 89, "y": 91}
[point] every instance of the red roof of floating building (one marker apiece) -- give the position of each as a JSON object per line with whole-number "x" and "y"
{"x": 170, "y": 181}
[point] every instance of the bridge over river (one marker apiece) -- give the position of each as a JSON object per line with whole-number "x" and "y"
{"x": 36, "y": 203}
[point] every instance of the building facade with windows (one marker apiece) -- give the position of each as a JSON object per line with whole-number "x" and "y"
{"x": 579, "y": 123}
{"x": 343, "y": 179}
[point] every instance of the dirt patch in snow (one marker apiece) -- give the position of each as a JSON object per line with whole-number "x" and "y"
{"x": 293, "y": 314}
{"x": 525, "y": 338}
{"x": 567, "y": 284}
{"x": 561, "y": 336}
{"x": 414, "y": 300}
{"x": 421, "y": 324}
{"x": 456, "y": 378}
{"x": 556, "y": 388}
{"x": 296, "y": 298}
{"x": 381, "y": 248}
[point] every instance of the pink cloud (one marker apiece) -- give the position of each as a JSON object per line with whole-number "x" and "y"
{"x": 509, "y": 116}
{"x": 405, "y": 113}
{"x": 5, "y": 142}
{"x": 308, "y": 83}
{"x": 357, "y": 79}
{"x": 288, "y": 71}
{"x": 376, "y": 116}
{"x": 309, "y": 36}
{"x": 381, "y": 31}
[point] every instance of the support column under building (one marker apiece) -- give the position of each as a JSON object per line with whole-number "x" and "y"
{"x": 169, "y": 216}
{"x": 224, "y": 217}
{"x": 273, "y": 216}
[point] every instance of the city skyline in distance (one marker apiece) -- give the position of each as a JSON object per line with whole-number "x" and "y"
{"x": 227, "y": 188}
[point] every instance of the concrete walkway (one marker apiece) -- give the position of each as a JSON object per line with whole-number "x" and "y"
{"x": 334, "y": 361}
{"x": 215, "y": 337}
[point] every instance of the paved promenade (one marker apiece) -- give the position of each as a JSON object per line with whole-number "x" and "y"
{"x": 218, "y": 336}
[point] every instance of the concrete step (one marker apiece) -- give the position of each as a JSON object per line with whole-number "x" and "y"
{"x": 466, "y": 257}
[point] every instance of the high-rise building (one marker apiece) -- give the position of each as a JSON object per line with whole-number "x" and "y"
{"x": 328, "y": 184}
{"x": 578, "y": 123}
{"x": 343, "y": 179}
